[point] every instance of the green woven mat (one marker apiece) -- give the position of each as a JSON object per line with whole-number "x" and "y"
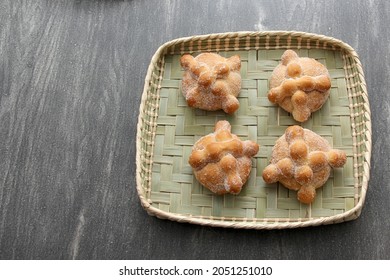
{"x": 174, "y": 189}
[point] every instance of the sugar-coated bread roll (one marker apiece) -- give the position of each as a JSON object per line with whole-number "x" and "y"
{"x": 300, "y": 85}
{"x": 302, "y": 160}
{"x": 211, "y": 82}
{"x": 221, "y": 161}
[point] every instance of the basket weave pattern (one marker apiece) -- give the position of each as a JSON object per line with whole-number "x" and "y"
{"x": 168, "y": 128}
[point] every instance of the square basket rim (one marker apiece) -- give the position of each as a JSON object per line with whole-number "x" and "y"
{"x": 269, "y": 223}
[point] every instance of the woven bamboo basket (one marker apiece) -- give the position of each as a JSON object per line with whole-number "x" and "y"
{"x": 167, "y": 129}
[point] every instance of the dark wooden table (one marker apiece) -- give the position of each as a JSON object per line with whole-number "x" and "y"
{"x": 71, "y": 78}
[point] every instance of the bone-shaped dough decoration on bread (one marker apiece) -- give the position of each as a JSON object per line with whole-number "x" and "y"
{"x": 302, "y": 160}
{"x": 211, "y": 82}
{"x": 221, "y": 161}
{"x": 300, "y": 85}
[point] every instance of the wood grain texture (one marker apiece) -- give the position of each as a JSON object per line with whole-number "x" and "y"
{"x": 71, "y": 78}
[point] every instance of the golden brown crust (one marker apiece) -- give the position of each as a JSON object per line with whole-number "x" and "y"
{"x": 300, "y": 85}
{"x": 301, "y": 160}
{"x": 221, "y": 161}
{"x": 211, "y": 82}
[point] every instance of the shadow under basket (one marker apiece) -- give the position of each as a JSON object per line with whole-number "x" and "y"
{"x": 168, "y": 128}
